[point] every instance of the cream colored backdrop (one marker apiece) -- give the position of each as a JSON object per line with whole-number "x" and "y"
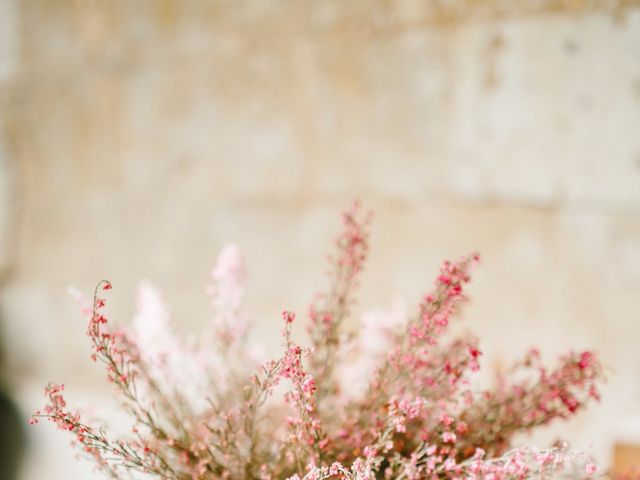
{"x": 138, "y": 137}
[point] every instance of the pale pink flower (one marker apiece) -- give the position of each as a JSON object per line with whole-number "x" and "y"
{"x": 226, "y": 293}
{"x": 152, "y": 329}
{"x": 172, "y": 362}
{"x": 377, "y": 331}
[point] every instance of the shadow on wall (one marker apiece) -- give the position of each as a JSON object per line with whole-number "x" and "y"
{"x": 12, "y": 435}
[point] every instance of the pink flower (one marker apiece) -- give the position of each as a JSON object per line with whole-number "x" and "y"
{"x": 449, "y": 437}
{"x": 446, "y": 420}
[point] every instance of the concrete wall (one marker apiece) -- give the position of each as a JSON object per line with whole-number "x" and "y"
{"x": 139, "y": 137}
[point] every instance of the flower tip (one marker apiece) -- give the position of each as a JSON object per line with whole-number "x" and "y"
{"x": 288, "y": 317}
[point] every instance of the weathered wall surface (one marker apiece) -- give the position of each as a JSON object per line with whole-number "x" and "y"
{"x": 139, "y": 137}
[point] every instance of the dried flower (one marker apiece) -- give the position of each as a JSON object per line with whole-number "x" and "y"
{"x": 198, "y": 412}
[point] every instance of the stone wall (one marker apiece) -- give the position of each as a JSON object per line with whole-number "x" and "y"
{"x": 139, "y": 137}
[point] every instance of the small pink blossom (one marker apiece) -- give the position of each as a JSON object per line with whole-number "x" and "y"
{"x": 449, "y": 437}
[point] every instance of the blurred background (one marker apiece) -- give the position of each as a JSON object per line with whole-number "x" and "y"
{"x": 139, "y": 137}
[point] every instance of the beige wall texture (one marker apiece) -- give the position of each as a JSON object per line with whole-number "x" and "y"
{"x": 138, "y": 137}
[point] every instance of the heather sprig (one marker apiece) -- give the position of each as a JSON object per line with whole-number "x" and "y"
{"x": 207, "y": 409}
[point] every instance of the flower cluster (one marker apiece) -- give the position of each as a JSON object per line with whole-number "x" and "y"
{"x": 208, "y": 410}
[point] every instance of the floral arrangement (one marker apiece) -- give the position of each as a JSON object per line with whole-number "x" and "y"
{"x": 210, "y": 410}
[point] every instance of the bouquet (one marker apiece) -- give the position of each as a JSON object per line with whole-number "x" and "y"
{"x": 208, "y": 409}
